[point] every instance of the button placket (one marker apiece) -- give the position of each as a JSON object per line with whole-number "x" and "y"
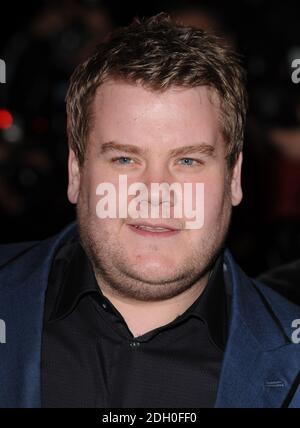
{"x": 134, "y": 344}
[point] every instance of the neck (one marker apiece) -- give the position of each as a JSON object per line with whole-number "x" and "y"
{"x": 142, "y": 317}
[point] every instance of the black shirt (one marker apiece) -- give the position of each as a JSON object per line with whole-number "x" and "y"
{"x": 91, "y": 359}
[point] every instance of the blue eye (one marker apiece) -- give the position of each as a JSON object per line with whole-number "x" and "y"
{"x": 123, "y": 160}
{"x": 187, "y": 161}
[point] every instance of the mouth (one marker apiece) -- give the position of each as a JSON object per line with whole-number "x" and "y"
{"x": 153, "y": 230}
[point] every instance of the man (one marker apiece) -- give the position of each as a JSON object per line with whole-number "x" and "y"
{"x": 135, "y": 311}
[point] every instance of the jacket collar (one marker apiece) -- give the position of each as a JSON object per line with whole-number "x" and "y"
{"x": 261, "y": 364}
{"x": 23, "y": 282}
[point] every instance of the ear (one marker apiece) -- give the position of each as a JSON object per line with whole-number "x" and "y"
{"x": 236, "y": 187}
{"x": 74, "y": 177}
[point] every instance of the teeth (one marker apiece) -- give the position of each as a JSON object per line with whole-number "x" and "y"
{"x": 153, "y": 229}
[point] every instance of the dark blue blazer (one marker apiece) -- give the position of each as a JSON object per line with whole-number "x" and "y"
{"x": 261, "y": 366}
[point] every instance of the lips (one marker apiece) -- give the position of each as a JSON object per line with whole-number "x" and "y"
{"x": 153, "y": 229}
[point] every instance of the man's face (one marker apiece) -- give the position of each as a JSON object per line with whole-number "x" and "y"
{"x": 171, "y": 137}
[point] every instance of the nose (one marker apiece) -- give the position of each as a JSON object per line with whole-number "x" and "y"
{"x": 160, "y": 184}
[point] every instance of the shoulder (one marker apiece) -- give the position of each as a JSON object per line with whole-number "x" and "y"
{"x": 26, "y": 257}
{"x": 9, "y": 252}
{"x": 258, "y": 300}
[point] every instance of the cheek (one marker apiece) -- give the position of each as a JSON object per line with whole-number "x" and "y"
{"x": 92, "y": 177}
{"x": 88, "y": 197}
{"x": 216, "y": 198}
{"x": 90, "y": 202}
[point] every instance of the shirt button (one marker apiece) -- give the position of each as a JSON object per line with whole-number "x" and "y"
{"x": 134, "y": 344}
{"x": 104, "y": 305}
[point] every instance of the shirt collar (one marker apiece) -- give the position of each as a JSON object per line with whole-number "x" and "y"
{"x": 72, "y": 277}
{"x": 212, "y": 306}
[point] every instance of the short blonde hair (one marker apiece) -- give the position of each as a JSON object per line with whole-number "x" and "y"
{"x": 159, "y": 53}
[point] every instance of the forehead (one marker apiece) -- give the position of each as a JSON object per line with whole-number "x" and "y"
{"x": 131, "y": 112}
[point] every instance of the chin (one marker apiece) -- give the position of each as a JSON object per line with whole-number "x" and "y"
{"x": 154, "y": 262}
{"x": 152, "y": 277}
{"x": 154, "y": 269}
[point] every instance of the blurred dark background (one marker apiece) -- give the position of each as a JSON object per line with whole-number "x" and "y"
{"x": 41, "y": 43}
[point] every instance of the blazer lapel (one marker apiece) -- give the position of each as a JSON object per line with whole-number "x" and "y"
{"x": 261, "y": 364}
{"x": 252, "y": 377}
{"x": 23, "y": 285}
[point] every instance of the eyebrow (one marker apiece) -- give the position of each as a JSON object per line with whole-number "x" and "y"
{"x": 201, "y": 148}
{"x": 117, "y": 147}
